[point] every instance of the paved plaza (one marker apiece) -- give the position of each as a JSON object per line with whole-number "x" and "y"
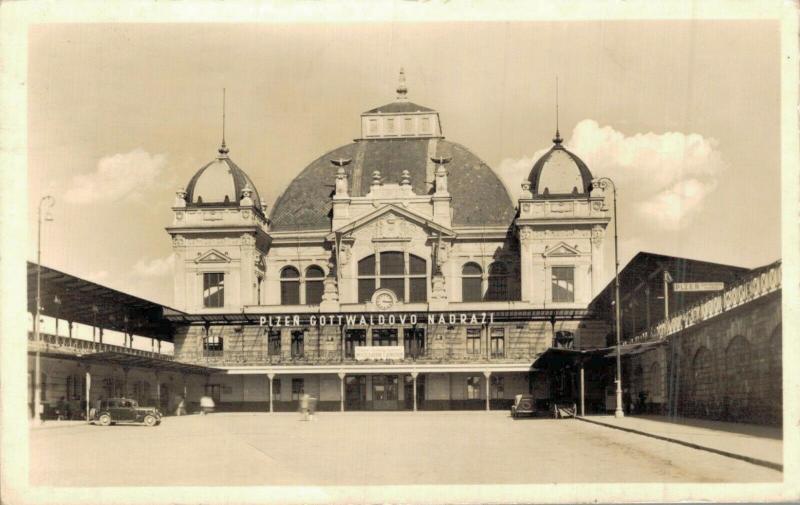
{"x": 368, "y": 448}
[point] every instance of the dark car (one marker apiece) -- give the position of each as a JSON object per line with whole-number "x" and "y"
{"x": 124, "y": 410}
{"x": 524, "y": 405}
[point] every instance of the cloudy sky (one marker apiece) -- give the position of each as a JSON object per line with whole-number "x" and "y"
{"x": 682, "y": 115}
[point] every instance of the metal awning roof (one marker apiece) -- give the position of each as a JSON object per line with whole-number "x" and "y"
{"x": 556, "y": 357}
{"x": 128, "y": 360}
{"x": 92, "y": 304}
{"x": 499, "y": 315}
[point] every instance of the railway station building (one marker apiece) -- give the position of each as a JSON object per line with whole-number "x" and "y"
{"x": 394, "y": 272}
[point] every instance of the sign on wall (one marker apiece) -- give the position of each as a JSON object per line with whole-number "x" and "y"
{"x": 389, "y": 352}
{"x": 698, "y": 286}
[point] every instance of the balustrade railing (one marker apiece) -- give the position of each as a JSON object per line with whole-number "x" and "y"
{"x": 322, "y": 357}
{"x": 48, "y": 341}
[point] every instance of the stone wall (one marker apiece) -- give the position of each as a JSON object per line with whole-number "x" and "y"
{"x": 728, "y": 368}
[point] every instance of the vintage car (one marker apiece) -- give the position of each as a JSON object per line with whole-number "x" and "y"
{"x": 123, "y": 410}
{"x": 524, "y": 405}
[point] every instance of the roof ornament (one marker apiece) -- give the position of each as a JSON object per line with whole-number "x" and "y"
{"x": 223, "y": 149}
{"x": 402, "y": 90}
{"x": 341, "y": 176}
{"x": 557, "y": 139}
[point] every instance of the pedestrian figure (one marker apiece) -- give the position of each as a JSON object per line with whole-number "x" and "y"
{"x": 312, "y": 407}
{"x": 304, "y": 401}
{"x": 61, "y": 409}
{"x": 206, "y": 405}
{"x": 181, "y": 410}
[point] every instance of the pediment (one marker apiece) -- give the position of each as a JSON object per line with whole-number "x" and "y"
{"x": 391, "y": 221}
{"x": 213, "y": 256}
{"x": 562, "y": 249}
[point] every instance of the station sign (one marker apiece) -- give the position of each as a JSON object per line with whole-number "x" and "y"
{"x": 372, "y": 319}
{"x": 697, "y": 286}
{"x": 380, "y": 353}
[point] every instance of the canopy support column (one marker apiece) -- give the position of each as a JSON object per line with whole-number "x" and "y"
{"x": 88, "y": 393}
{"x": 488, "y": 375}
{"x": 270, "y": 377}
{"x": 582, "y": 389}
{"x": 341, "y": 391}
{"x": 414, "y": 377}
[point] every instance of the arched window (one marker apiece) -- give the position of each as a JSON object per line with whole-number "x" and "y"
{"x": 290, "y": 286}
{"x": 498, "y": 282}
{"x": 403, "y": 273}
{"x": 471, "y": 282}
{"x": 314, "y": 285}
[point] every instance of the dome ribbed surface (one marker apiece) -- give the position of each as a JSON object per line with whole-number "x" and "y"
{"x": 217, "y": 180}
{"x": 478, "y": 196}
{"x": 559, "y": 171}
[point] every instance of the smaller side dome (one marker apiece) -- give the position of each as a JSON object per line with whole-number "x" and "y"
{"x": 221, "y": 182}
{"x": 560, "y": 172}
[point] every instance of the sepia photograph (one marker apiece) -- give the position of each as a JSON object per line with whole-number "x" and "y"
{"x": 419, "y": 252}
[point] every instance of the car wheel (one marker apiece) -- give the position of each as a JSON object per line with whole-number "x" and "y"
{"x": 149, "y": 420}
{"x": 104, "y": 420}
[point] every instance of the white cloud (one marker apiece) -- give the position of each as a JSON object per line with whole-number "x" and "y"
{"x": 118, "y": 177}
{"x": 98, "y": 276}
{"x": 662, "y": 178}
{"x": 158, "y": 267}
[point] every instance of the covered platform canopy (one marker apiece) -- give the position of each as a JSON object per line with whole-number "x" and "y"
{"x": 160, "y": 364}
{"x": 557, "y": 358}
{"x": 71, "y": 298}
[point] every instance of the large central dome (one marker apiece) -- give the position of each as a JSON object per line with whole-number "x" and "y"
{"x": 396, "y": 137}
{"x": 479, "y": 198}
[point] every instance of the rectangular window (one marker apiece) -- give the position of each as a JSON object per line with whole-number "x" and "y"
{"x": 353, "y": 338}
{"x": 274, "y": 343}
{"x": 373, "y": 126}
{"x": 497, "y": 387}
{"x": 276, "y": 389}
{"x": 474, "y": 387}
{"x": 498, "y": 342}
{"x": 426, "y": 125}
{"x": 471, "y": 289}
{"x": 214, "y": 391}
{"x": 212, "y": 345}
{"x": 473, "y": 340}
{"x": 409, "y": 126}
{"x": 563, "y": 284}
{"x": 314, "y": 290}
{"x": 290, "y": 292}
{"x": 298, "y": 338}
{"x": 389, "y": 125}
{"x": 382, "y": 337}
{"x": 414, "y": 342}
{"x": 298, "y": 388}
{"x": 213, "y": 289}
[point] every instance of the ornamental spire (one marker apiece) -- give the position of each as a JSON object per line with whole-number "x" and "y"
{"x": 223, "y": 149}
{"x": 402, "y": 90}
{"x": 557, "y": 139}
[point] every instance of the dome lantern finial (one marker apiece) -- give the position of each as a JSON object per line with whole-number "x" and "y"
{"x": 557, "y": 139}
{"x": 402, "y": 89}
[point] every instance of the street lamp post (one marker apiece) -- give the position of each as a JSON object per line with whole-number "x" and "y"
{"x": 37, "y": 390}
{"x": 603, "y": 183}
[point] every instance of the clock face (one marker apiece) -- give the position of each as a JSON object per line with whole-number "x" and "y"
{"x": 384, "y": 301}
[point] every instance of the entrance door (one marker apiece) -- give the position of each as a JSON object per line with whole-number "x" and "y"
{"x": 384, "y": 392}
{"x": 355, "y": 392}
{"x": 409, "y": 392}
